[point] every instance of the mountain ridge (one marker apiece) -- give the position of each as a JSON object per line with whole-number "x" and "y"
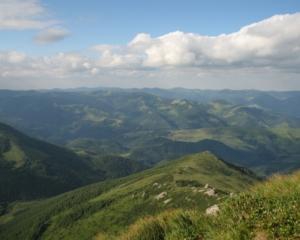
{"x": 198, "y": 180}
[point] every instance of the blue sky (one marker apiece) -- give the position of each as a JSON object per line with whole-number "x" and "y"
{"x": 195, "y": 44}
{"x": 117, "y": 22}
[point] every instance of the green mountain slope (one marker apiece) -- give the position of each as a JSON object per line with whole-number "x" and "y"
{"x": 195, "y": 181}
{"x": 31, "y": 168}
{"x": 269, "y": 211}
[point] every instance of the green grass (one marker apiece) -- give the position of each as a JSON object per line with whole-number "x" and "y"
{"x": 268, "y": 211}
{"x": 110, "y": 207}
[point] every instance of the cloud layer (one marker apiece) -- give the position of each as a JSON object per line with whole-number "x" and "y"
{"x": 269, "y": 49}
{"x": 274, "y": 42}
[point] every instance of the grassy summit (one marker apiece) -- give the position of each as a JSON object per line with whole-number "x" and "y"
{"x": 193, "y": 182}
{"x": 268, "y": 211}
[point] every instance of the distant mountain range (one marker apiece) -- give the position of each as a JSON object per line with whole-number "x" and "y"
{"x": 284, "y": 102}
{"x": 279, "y": 102}
{"x": 144, "y": 125}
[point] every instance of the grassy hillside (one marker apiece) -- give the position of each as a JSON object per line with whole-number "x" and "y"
{"x": 268, "y": 211}
{"x": 30, "y": 168}
{"x": 193, "y": 182}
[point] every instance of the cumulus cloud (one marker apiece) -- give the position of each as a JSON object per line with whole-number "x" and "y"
{"x": 274, "y": 42}
{"x": 51, "y": 35}
{"x": 23, "y": 14}
{"x": 264, "y": 54}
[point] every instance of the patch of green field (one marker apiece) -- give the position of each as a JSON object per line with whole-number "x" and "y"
{"x": 224, "y": 135}
{"x": 287, "y": 132}
{"x": 15, "y": 154}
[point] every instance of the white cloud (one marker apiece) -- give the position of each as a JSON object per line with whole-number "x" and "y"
{"x": 51, "y": 35}
{"x": 31, "y": 14}
{"x": 274, "y": 42}
{"x": 262, "y": 55}
{"x": 23, "y": 14}
{"x": 13, "y": 57}
{"x": 61, "y": 65}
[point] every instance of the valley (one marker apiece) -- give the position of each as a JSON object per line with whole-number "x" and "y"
{"x": 98, "y": 164}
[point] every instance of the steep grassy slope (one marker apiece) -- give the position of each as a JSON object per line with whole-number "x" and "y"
{"x": 269, "y": 211}
{"x": 193, "y": 182}
{"x": 30, "y": 168}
